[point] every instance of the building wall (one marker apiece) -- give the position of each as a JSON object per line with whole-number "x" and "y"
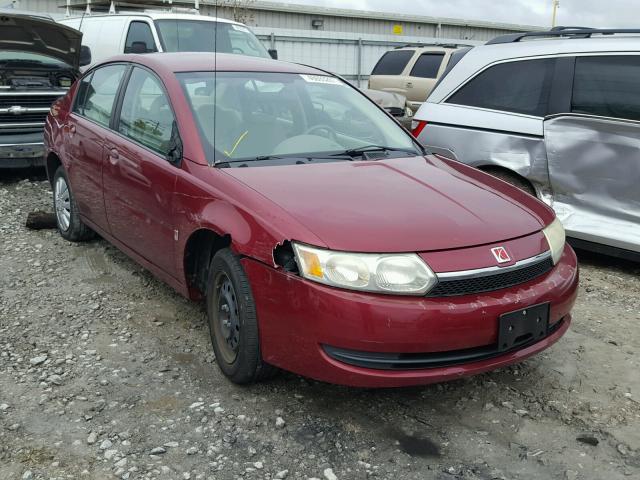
{"x": 346, "y": 42}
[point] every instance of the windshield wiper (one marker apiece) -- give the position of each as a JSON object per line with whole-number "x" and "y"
{"x": 296, "y": 158}
{"x": 354, "y": 152}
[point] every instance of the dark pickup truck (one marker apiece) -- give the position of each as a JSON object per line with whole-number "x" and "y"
{"x": 39, "y": 61}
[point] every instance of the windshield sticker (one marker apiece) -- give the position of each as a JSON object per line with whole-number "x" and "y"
{"x": 321, "y": 79}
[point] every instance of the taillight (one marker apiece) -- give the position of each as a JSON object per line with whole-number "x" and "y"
{"x": 417, "y": 126}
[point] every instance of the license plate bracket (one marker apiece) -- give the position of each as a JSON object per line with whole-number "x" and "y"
{"x": 523, "y": 326}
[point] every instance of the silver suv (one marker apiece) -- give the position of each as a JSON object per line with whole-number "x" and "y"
{"x": 556, "y": 113}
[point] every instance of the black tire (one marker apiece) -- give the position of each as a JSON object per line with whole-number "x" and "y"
{"x": 75, "y": 230}
{"x": 512, "y": 179}
{"x": 234, "y": 331}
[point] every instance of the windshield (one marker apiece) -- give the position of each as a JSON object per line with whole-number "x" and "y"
{"x": 8, "y": 56}
{"x": 248, "y": 115}
{"x": 197, "y": 36}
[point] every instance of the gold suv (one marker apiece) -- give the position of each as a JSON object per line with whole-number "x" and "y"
{"x": 412, "y": 71}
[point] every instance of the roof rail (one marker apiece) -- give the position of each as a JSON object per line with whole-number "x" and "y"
{"x": 114, "y": 6}
{"x": 561, "y": 32}
{"x": 443, "y": 45}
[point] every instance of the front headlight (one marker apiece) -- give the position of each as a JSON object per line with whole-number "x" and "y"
{"x": 555, "y": 238}
{"x": 403, "y": 273}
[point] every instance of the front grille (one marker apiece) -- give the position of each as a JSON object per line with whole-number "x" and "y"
{"x": 414, "y": 361}
{"x": 31, "y": 117}
{"x": 488, "y": 283}
{"x": 33, "y": 100}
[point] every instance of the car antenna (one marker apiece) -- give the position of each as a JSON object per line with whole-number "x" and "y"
{"x": 215, "y": 75}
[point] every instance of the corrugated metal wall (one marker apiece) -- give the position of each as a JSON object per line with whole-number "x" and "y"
{"x": 365, "y": 26}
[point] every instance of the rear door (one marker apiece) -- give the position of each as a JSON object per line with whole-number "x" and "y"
{"x": 594, "y": 152}
{"x": 139, "y": 180}
{"x": 390, "y": 73}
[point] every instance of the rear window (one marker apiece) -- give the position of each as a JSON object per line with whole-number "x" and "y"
{"x": 427, "y": 65}
{"x": 393, "y": 62}
{"x": 518, "y": 87}
{"x": 607, "y": 86}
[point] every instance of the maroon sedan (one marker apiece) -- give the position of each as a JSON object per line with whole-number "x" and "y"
{"x": 321, "y": 236}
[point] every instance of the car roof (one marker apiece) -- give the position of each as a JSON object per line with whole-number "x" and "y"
{"x": 156, "y": 16}
{"x": 479, "y": 57}
{"x": 168, "y": 63}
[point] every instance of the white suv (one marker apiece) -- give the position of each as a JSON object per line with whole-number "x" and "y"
{"x": 556, "y": 113}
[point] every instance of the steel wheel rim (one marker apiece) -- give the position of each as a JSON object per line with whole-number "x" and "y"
{"x": 62, "y": 203}
{"x": 227, "y": 318}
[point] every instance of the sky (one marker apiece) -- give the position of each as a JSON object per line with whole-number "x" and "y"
{"x": 584, "y": 13}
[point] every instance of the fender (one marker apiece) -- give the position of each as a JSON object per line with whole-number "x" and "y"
{"x": 256, "y": 228}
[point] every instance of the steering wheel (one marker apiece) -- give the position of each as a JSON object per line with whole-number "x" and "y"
{"x": 331, "y": 134}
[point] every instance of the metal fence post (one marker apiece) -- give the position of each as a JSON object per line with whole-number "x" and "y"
{"x": 359, "y": 69}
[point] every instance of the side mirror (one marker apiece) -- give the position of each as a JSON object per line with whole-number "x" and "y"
{"x": 274, "y": 53}
{"x": 138, "y": 47}
{"x": 174, "y": 155}
{"x": 85, "y": 55}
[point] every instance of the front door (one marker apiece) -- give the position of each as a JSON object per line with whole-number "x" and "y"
{"x": 139, "y": 181}
{"x": 86, "y": 129}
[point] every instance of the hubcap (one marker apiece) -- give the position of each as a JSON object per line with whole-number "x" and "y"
{"x": 62, "y": 204}
{"x": 227, "y": 323}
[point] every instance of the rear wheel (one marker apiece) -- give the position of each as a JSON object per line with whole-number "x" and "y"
{"x": 513, "y": 179}
{"x": 233, "y": 322}
{"x": 68, "y": 219}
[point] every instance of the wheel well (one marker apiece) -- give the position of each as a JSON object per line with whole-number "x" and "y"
{"x": 199, "y": 250}
{"x": 500, "y": 172}
{"x": 53, "y": 162}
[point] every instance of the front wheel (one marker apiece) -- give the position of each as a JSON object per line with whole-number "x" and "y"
{"x": 68, "y": 219}
{"x": 233, "y": 323}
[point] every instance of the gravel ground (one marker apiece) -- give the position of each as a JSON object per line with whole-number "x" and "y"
{"x": 106, "y": 373}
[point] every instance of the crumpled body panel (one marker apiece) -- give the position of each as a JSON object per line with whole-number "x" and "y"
{"x": 523, "y": 154}
{"x": 594, "y": 167}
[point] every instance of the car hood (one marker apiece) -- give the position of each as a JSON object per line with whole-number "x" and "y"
{"x": 397, "y": 205}
{"x": 27, "y": 33}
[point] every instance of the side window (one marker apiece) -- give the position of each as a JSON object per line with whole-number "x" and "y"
{"x": 101, "y": 93}
{"x": 81, "y": 94}
{"x": 520, "y": 87}
{"x": 139, "y": 39}
{"x": 607, "y": 86}
{"x": 146, "y": 115}
{"x": 393, "y": 62}
{"x": 427, "y": 65}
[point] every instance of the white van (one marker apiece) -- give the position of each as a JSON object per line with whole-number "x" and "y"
{"x": 107, "y": 35}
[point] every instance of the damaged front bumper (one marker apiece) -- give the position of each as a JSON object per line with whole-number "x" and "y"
{"x": 306, "y": 327}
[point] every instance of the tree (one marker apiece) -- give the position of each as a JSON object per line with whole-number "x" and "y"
{"x": 240, "y": 9}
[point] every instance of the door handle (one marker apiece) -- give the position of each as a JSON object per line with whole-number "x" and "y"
{"x": 409, "y": 85}
{"x": 70, "y": 129}
{"x": 114, "y": 156}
